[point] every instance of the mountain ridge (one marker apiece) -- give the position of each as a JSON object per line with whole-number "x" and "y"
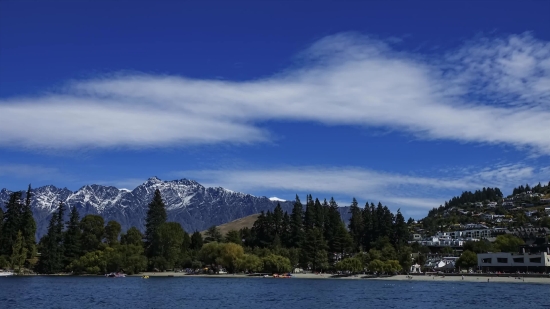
{"x": 189, "y": 203}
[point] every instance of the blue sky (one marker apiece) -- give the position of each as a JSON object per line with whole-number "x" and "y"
{"x": 404, "y": 102}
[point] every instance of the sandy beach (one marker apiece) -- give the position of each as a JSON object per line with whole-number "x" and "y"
{"x": 494, "y": 279}
{"x": 501, "y": 278}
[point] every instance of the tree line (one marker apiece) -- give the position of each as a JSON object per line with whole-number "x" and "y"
{"x": 313, "y": 236}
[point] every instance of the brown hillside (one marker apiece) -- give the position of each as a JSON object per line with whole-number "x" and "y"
{"x": 237, "y": 224}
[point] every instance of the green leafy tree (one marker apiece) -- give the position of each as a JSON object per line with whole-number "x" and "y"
{"x": 376, "y": 266}
{"x": 467, "y": 259}
{"x": 93, "y": 230}
{"x": 209, "y": 253}
{"x": 93, "y": 262}
{"x": 352, "y": 264}
{"x": 276, "y": 264}
{"x": 230, "y": 254}
{"x": 132, "y": 237}
{"x": 112, "y": 231}
{"x": 508, "y": 243}
{"x": 250, "y": 263}
{"x": 392, "y": 266}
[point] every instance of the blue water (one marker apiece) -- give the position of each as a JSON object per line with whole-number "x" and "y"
{"x": 260, "y": 293}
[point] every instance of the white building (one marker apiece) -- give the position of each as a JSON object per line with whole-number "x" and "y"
{"x": 513, "y": 261}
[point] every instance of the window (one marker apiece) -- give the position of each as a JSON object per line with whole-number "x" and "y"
{"x": 487, "y": 260}
{"x": 518, "y": 260}
{"x": 535, "y": 260}
{"x": 502, "y": 260}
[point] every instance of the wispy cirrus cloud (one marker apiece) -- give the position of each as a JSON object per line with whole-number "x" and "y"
{"x": 488, "y": 91}
{"x": 394, "y": 189}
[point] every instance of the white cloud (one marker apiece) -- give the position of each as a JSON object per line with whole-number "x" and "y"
{"x": 396, "y": 190}
{"x": 345, "y": 79}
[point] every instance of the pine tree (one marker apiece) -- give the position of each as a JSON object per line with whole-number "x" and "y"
{"x": 19, "y": 252}
{"x": 156, "y": 216}
{"x": 277, "y": 220}
{"x": 356, "y": 224}
{"x": 51, "y": 245}
{"x": 401, "y": 230}
{"x": 28, "y": 226}
{"x": 286, "y": 235}
{"x": 12, "y": 223}
{"x": 367, "y": 227}
{"x": 313, "y": 249}
{"x": 196, "y": 241}
{"x": 213, "y": 234}
{"x": 296, "y": 224}
{"x": 333, "y": 220}
{"x": 72, "y": 237}
{"x": 309, "y": 215}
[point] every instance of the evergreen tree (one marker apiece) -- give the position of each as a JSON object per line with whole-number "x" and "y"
{"x": 296, "y": 224}
{"x": 72, "y": 237}
{"x": 277, "y": 220}
{"x": 233, "y": 237}
{"x": 309, "y": 215}
{"x": 367, "y": 227}
{"x": 51, "y": 245}
{"x": 12, "y": 223}
{"x": 156, "y": 216}
{"x": 213, "y": 234}
{"x": 313, "y": 251}
{"x": 196, "y": 241}
{"x": 19, "y": 252}
{"x": 401, "y": 230}
{"x": 341, "y": 242}
{"x": 28, "y": 226}
{"x": 333, "y": 221}
{"x": 356, "y": 224}
{"x": 286, "y": 236}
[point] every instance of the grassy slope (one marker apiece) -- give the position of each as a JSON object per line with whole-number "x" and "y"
{"x": 237, "y": 224}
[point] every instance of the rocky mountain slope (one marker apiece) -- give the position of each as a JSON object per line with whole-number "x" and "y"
{"x": 191, "y": 204}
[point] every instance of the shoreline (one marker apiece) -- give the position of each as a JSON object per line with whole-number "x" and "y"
{"x": 447, "y": 278}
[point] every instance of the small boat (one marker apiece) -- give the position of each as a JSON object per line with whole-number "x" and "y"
{"x": 145, "y": 277}
{"x": 4, "y": 273}
{"x": 115, "y": 275}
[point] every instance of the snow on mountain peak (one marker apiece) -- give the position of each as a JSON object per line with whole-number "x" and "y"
{"x": 276, "y": 199}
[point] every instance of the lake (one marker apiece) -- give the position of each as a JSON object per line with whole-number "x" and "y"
{"x": 259, "y": 293}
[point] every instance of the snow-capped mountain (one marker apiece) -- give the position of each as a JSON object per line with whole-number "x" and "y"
{"x": 191, "y": 204}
